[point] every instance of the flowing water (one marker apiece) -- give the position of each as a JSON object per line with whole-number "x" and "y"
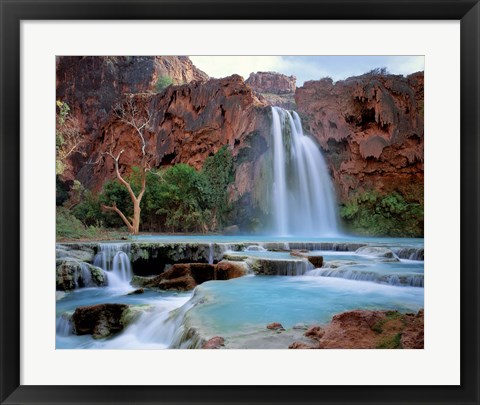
{"x": 303, "y": 199}
{"x": 304, "y": 211}
{"x": 114, "y": 259}
{"x": 241, "y": 308}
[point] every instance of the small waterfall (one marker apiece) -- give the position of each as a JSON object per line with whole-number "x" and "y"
{"x": 410, "y": 280}
{"x": 210, "y": 253}
{"x": 303, "y": 198}
{"x": 255, "y": 248}
{"x": 114, "y": 259}
{"x": 86, "y": 277}
{"x": 64, "y": 325}
{"x": 409, "y": 253}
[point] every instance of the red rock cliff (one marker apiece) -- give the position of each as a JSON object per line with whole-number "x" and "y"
{"x": 371, "y": 129}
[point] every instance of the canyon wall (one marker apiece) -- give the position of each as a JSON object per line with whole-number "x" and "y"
{"x": 370, "y": 128}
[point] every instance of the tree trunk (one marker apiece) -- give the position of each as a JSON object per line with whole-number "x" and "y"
{"x": 136, "y": 217}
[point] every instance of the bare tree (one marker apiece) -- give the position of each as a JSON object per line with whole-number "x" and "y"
{"x": 139, "y": 119}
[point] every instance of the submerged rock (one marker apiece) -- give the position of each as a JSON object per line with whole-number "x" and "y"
{"x": 216, "y": 342}
{"x": 100, "y": 321}
{"x": 275, "y": 326}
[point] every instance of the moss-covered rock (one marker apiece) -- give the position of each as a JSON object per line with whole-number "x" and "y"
{"x": 102, "y": 320}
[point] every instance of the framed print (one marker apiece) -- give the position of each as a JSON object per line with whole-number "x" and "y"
{"x": 250, "y": 178}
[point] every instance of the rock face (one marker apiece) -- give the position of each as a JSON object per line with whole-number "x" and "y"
{"x": 188, "y": 123}
{"x": 362, "y": 329}
{"x": 371, "y": 128}
{"x": 272, "y": 82}
{"x": 275, "y": 88}
{"x": 100, "y": 321}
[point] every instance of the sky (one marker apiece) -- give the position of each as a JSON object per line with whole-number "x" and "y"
{"x": 307, "y": 67}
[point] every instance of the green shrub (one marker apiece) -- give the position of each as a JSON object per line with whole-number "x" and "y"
{"x": 374, "y": 214}
{"x": 162, "y": 83}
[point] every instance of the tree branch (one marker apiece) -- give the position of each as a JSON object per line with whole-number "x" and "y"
{"x": 124, "y": 218}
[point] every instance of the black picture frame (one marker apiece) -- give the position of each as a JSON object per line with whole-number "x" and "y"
{"x": 12, "y": 12}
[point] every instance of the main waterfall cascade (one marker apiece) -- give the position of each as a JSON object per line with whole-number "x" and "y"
{"x": 114, "y": 259}
{"x": 303, "y": 201}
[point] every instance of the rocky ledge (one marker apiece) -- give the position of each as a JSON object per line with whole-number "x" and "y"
{"x": 362, "y": 329}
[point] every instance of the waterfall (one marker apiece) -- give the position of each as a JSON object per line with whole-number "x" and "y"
{"x": 210, "y": 253}
{"x": 114, "y": 259}
{"x": 303, "y": 199}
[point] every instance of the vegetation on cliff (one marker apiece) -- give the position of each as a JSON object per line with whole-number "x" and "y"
{"x": 374, "y": 214}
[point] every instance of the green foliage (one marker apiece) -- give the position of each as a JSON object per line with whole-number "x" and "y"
{"x": 163, "y": 82}
{"x": 218, "y": 173}
{"x": 182, "y": 199}
{"x": 391, "y": 342}
{"x": 89, "y": 211}
{"x": 70, "y": 227}
{"x": 371, "y": 213}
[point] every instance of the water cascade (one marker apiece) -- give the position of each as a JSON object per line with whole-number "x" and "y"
{"x": 114, "y": 259}
{"x": 303, "y": 198}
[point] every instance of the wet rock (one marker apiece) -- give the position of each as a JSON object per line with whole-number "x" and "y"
{"x": 226, "y": 270}
{"x": 216, "y": 342}
{"x": 278, "y": 267}
{"x": 315, "y": 332}
{"x": 100, "y": 321}
{"x": 71, "y": 274}
{"x": 75, "y": 252}
{"x": 136, "y": 292}
{"x": 300, "y": 326}
{"x": 316, "y": 260}
{"x": 374, "y": 251}
{"x": 302, "y": 345}
{"x": 180, "y": 277}
{"x": 275, "y": 326}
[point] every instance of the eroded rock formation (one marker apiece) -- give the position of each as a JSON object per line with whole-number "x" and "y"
{"x": 371, "y": 128}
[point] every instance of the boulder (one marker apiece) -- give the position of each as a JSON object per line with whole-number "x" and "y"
{"x": 315, "y": 332}
{"x": 226, "y": 270}
{"x": 100, "y": 321}
{"x": 275, "y": 326}
{"x": 71, "y": 274}
{"x": 216, "y": 342}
